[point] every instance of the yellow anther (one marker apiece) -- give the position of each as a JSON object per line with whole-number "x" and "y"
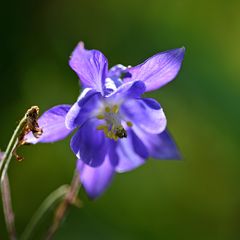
{"x": 129, "y": 124}
{"x": 107, "y": 109}
{"x": 101, "y": 127}
{"x": 115, "y": 137}
{"x": 115, "y": 108}
{"x": 100, "y": 116}
{"x": 110, "y": 134}
{"x": 105, "y": 130}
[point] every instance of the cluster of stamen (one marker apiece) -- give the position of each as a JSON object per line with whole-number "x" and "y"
{"x": 113, "y": 128}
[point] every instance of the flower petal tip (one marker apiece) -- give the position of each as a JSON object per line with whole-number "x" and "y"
{"x": 81, "y": 44}
{"x": 178, "y": 156}
{"x": 95, "y": 180}
{"x": 90, "y": 65}
{"x": 158, "y": 70}
{"x": 179, "y": 53}
{"x": 183, "y": 48}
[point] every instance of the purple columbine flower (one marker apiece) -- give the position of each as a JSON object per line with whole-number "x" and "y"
{"x": 117, "y": 129}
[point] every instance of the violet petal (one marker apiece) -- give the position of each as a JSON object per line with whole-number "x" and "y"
{"x": 127, "y": 90}
{"x": 89, "y": 144}
{"x": 95, "y": 179}
{"x": 113, "y": 156}
{"x": 83, "y": 108}
{"x": 145, "y": 115}
{"x": 129, "y": 158}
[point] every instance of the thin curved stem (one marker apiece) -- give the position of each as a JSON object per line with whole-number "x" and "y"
{"x": 27, "y": 124}
{"x": 70, "y": 199}
{"x": 16, "y": 140}
{"x": 10, "y": 148}
{"x": 7, "y": 208}
{"x": 4, "y": 181}
{"x": 51, "y": 200}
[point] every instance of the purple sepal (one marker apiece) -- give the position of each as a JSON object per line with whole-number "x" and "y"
{"x": 52, "y": 123}
{"x": 160, "y": 146}
{"x": 158, "y": 70}
{"x": 91, "y": 67}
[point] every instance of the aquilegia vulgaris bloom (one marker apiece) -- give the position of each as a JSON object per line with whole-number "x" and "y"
{"x": 117, "y": 129}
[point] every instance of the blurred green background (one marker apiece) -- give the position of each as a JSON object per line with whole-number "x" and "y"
{"x": 197, "y": 198}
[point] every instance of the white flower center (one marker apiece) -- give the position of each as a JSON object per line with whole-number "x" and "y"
{"x": 112, "y": 128}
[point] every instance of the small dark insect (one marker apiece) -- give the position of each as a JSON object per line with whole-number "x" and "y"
{"x": 121, "y": 133}
{"x": 31, "y": 125}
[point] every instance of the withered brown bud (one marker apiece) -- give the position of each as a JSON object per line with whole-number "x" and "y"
{"x": 31, "y": 125}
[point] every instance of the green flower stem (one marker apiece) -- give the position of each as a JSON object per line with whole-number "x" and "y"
{"x": 4, "y": 182}
{"x": 10, "y": 148}
{"x": 69, "y": 199}
{"x": 7, "y": 208}
{"x": 48, "y": 203}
